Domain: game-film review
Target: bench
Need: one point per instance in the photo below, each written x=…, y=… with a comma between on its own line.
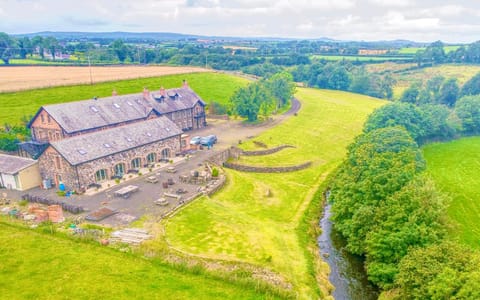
x=125, y=192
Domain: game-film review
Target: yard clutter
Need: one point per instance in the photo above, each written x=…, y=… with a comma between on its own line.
x=133, y=236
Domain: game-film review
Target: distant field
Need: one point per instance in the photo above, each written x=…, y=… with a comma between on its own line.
x=413, y=50
x=461, y=72
x=29, y=77
x=243, y=223
x=363, y=58
x=36, y=265
x=455, y=167
x=388, y=66
x=209, y=86
x=239, y=48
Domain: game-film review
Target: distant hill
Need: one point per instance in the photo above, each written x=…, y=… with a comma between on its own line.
x=74, y=35
x=170, y=36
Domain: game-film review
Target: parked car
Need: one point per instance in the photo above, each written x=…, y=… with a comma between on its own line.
x=207, y=141
x=195, y=140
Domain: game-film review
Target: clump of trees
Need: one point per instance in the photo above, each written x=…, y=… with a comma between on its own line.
x=437, y=90
x=440, y=271
x=342, y=75
x=10, y=136
x=382, y=204
x=390, y=212
x=263, y=97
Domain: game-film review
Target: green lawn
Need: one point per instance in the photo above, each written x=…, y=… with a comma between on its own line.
x=242, y=223
x=455, y=167
x=37, y=265
x=210, y=86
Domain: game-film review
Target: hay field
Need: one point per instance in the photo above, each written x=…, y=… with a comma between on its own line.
x=30, y=77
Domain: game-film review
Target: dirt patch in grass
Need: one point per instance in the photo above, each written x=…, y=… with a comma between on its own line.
x=30, y=77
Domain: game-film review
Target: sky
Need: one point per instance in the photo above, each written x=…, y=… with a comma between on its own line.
x=369, y=20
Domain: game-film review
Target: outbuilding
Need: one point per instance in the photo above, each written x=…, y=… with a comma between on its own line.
x=18, y=173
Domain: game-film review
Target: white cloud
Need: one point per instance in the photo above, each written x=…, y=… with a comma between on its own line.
x=342, y=19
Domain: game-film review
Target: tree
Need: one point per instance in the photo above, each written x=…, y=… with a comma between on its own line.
x=52, y=45
x=7, y=45
x=120, y=49
x=437, y=122
x=379, y=163
x=282, y=88
x=443, y=271
x=339, y=79
x=449, y=92
x=467, y=109
x=471, y=87
x=25, y=47
x=412, y=217
x=410, y=95
x=247, y=101
x=398, y=114
x=37, y=42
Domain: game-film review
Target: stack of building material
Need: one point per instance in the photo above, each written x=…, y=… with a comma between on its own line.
x=133, y=236
x=40, y=215
x=55, y=214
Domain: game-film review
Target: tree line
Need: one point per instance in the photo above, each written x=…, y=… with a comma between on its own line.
x=390, y=211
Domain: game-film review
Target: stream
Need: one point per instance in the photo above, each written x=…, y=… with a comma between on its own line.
x=346, y=270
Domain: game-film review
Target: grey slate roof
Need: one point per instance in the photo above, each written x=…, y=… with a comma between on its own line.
x=91, y=146
x=88, y=114
x=175, y=99
x=10, y=164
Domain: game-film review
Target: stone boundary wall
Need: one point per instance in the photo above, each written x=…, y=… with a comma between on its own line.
x=267, y=151
x=223, y=156
x=256, y=169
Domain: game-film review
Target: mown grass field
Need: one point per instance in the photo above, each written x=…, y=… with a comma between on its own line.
x=209, y=86
x=455, y=167
x=243, y=223
x=461, y=72
x=37, y=265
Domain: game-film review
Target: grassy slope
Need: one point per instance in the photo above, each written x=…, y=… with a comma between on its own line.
x=461, y=72
x=455, y=167
x=35, y=264
x=241, y=223
x=209, y=86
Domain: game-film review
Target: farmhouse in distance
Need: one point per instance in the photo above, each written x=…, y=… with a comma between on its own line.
x=85, y=142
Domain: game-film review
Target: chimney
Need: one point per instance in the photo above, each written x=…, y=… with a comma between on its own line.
x=185, y=84
x=114, y=92
x=146, y=94
x=162, y=91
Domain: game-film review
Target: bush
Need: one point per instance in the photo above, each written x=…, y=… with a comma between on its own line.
x=214, y=172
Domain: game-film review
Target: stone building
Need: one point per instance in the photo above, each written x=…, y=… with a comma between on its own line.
x=94, y=157
x=84, y=142
x=58, y=121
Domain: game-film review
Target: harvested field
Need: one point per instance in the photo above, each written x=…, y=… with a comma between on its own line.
x=24, y=78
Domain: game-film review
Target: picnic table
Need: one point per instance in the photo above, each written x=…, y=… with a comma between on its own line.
x=125, y=192
x=152, y=179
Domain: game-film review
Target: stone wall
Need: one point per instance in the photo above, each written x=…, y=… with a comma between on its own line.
x=223, y=156
x=257, y=169
x=267, y=151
